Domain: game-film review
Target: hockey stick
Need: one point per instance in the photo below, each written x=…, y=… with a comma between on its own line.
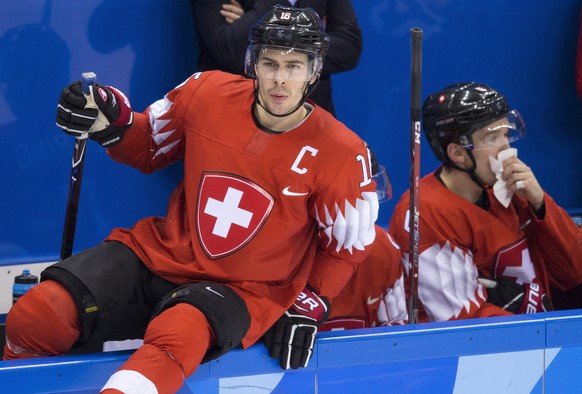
x=87, y=79
x=414, y=204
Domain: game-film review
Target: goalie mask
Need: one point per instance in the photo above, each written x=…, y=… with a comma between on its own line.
x=287, y=31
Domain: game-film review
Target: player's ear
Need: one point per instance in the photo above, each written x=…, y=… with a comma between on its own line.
x=456, y=153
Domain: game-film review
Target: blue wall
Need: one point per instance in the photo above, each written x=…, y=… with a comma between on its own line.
x=524, y=48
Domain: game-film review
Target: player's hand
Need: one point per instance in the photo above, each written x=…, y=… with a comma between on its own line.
x=515, y=298
x=521, y=180
x=103, y=115
x=292, y=337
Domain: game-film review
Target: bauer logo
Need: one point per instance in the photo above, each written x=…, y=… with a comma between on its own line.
x=230, y=212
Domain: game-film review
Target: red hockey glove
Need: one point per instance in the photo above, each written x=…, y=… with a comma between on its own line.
x=103, y=116
x=292, y=337
x=514, y=297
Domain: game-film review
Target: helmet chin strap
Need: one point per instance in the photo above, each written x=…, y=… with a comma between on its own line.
x=471, y=171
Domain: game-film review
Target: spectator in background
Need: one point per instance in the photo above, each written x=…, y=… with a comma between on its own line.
x=492, y=242
x=223, y=27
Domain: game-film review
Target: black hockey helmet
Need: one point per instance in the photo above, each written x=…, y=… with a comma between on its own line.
x=299, y=29
x=454, y=113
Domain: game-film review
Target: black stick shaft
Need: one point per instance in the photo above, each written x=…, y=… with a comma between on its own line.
x=414, y=204
x=75, y=183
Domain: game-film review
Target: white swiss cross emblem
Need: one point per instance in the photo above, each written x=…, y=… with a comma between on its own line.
x=231, y=210
x=514, y=261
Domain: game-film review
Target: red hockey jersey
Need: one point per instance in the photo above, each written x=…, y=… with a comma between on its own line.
x=374, y=296
x=459, y=241
x=262, y=212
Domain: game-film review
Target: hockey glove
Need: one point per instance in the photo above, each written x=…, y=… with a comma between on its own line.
x=103, y=115
x=292, y=337
x=514, y=297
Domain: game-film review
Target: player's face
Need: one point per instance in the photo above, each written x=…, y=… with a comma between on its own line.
x=483, y=169
x=489, y=141
x=282, y=75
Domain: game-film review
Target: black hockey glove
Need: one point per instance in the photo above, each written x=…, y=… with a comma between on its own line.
x=514, y=297
x=292, y=337
x=103, y=116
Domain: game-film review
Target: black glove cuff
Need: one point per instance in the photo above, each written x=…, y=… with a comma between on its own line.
x=325, y=301
x=109, y=136
x=541, y=212
x=327, y=312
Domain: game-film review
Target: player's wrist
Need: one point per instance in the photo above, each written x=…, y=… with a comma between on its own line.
x=311, y=305
x=539, y=209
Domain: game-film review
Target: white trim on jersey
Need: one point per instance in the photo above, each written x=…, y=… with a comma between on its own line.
x=355, y=228
x=130, y=382
x=447, y=282
x=392, y=309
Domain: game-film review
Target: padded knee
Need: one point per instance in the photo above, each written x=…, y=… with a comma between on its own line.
x=82, y=297
x=43, y=322
x=225, y=310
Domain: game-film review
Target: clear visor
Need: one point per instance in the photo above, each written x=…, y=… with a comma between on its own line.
x=496, y=134
x=287, y=64
x=383, y=185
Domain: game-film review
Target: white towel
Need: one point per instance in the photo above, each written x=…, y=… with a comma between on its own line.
x=500, y=188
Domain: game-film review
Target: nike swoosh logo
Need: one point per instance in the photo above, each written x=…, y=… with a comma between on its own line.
x=288, y=192
x=214, y=291
x=372, y=301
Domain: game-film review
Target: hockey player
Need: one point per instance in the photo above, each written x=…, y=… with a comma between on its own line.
x=375, y=294
x=492, y=242
x=275, y=211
